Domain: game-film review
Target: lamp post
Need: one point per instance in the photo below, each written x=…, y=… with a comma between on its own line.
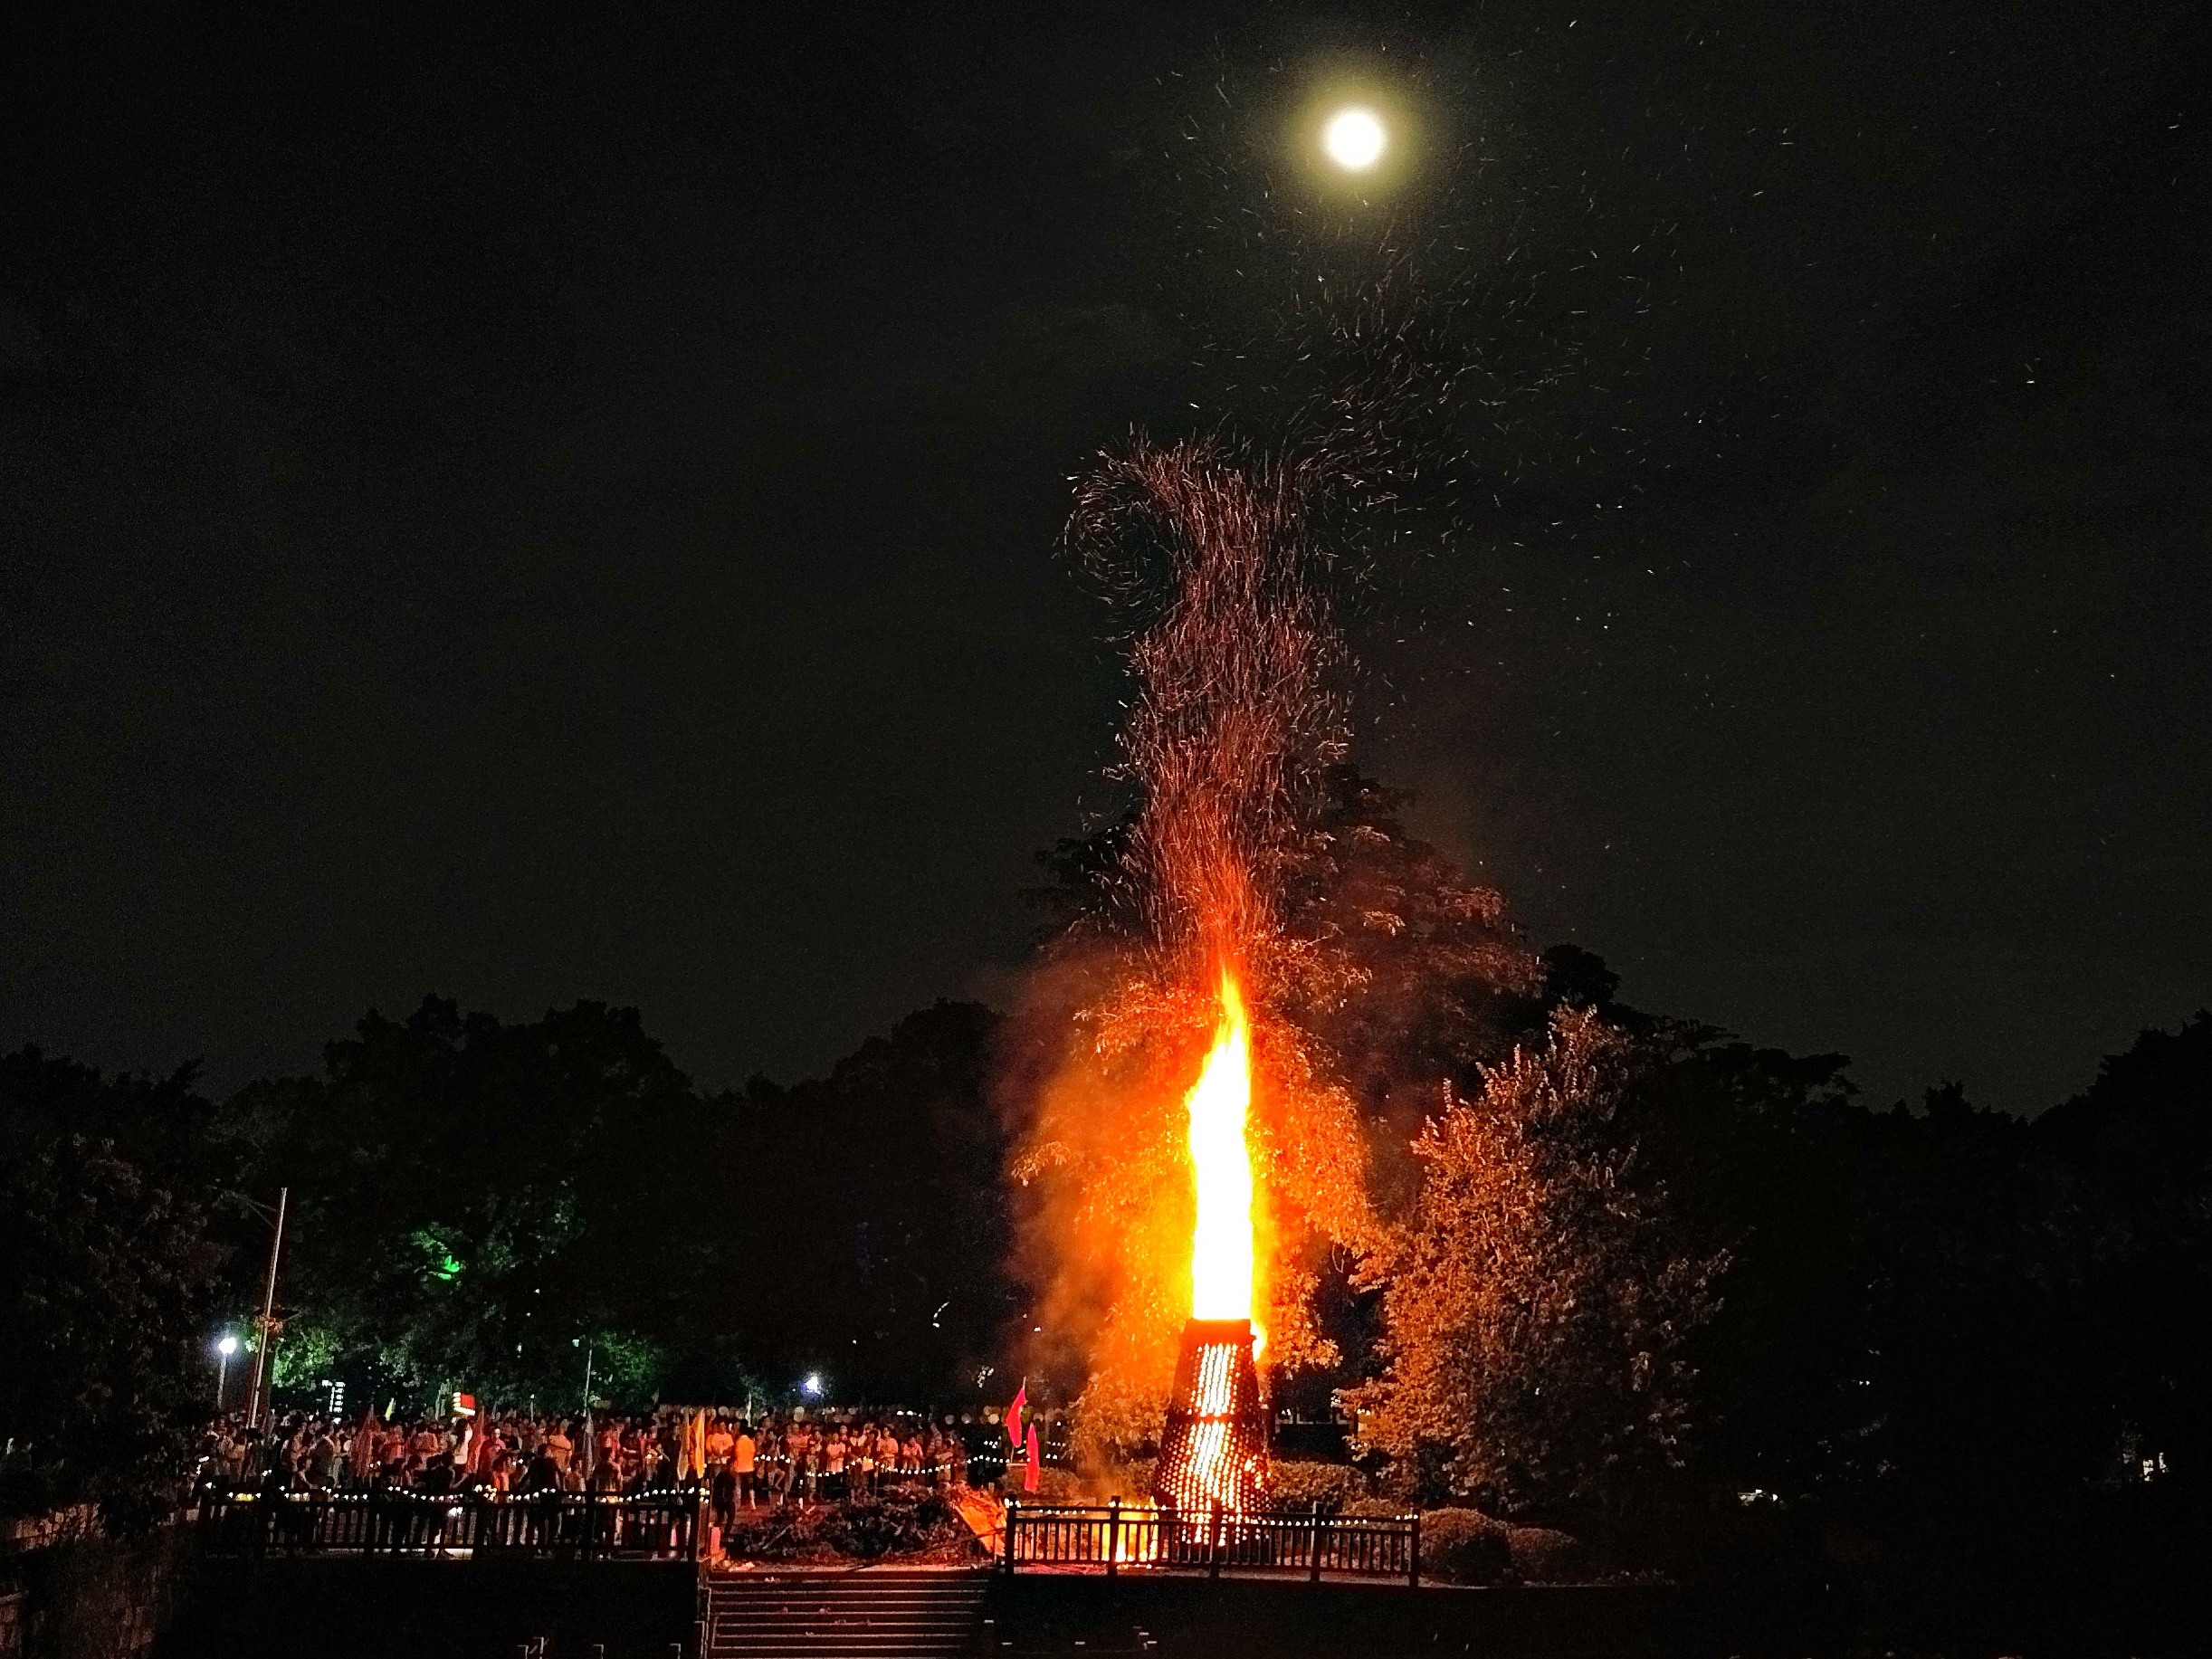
x=224, y=1351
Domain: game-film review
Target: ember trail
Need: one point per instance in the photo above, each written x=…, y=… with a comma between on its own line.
x=1236, y=717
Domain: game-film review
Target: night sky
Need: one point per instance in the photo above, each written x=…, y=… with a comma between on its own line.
x=531, y=514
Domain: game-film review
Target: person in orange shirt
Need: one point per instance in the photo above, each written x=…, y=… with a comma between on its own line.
x=743, y=1453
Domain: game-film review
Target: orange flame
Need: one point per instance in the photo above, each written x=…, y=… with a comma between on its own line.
x=1221, y=1260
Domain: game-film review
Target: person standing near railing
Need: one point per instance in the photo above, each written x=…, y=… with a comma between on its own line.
x=860, y=1464
x=322, y=1460
x=605, y=1516
x=744, y=1455
x=275, y=1487
x=723, y=1494
x=720, y=1442
x=436, y=1487
x=543, y=1474
x=798, y=1445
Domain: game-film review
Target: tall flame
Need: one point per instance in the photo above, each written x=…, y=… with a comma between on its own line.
x=1219, y=1101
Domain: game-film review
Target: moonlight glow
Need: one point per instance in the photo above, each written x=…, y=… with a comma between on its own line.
x=1354, y=139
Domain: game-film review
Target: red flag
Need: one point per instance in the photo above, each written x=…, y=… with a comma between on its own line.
x=1014, y=1416
x=1029, y=1476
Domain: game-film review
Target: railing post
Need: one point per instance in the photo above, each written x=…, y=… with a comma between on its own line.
x=1317, y=1541
x=1413, y=1564
x=1113, y=1532
x=1012, y=1522
x=1213, y=1544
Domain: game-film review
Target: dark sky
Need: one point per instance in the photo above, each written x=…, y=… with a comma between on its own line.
x=533, y=514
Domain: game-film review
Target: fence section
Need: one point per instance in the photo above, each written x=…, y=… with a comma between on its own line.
x=1113, y=1536
x=579, y=1526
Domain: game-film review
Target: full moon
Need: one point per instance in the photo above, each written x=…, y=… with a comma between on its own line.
x=1354, y=138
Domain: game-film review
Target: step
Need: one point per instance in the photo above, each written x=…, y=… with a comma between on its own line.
x=856, y=1638
x=826, y=1620
x=873, y=1598
x=846, y=1609
x=845, y=1615
x=954, y=1642
x=853, y=1626
x=767, y=1606
x=883, y=1592
x=833, y=1586
x=919, y=1598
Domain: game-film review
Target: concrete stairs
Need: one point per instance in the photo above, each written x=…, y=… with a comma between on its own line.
x=850, y=1615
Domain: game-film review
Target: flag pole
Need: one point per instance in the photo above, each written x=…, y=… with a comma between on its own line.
x=268, y=1319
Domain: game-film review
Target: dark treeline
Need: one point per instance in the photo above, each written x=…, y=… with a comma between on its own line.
x=1867, y=1348
x=492, y=1206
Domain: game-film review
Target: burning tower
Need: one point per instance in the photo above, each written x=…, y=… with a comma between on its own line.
x=1234, y=720
x=1213, y=1452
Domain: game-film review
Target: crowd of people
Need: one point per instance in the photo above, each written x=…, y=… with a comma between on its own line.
x=741, y=1464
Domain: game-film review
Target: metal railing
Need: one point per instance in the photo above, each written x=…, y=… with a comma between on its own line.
x=1113, y=1536
x=572, y=1526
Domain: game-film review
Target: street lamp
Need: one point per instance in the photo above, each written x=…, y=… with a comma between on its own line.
x=224, y=1350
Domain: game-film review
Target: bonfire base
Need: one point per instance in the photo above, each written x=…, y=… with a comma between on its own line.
x=1214, y=1454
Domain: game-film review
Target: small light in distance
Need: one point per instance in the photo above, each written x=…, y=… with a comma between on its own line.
x=1354, y=139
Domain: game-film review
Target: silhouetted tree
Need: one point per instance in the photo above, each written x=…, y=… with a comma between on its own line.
x=490, y=1204
x=479, y=1203
x=108, y=1278
x=870, y=1236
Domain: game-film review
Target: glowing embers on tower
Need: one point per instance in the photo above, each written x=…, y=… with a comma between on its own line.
x=1213, y=1453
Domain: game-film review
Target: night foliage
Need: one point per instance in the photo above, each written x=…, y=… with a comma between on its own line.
x=110, y=1273
x=1897, y=1348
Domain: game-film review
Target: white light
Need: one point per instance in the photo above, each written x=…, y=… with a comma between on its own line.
x=1354, y=138
x=814, y=1382
x=227, y=1347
